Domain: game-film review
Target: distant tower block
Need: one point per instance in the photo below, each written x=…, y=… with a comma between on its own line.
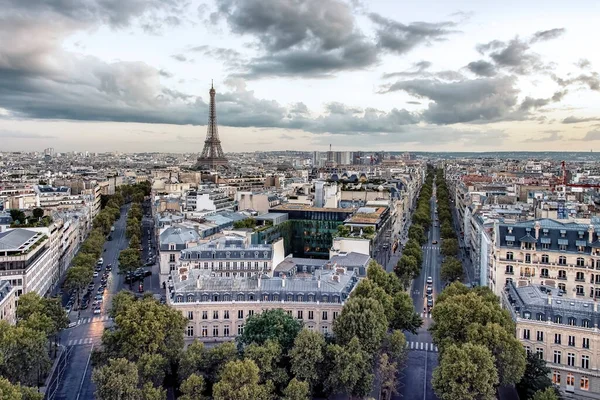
x=212, y=156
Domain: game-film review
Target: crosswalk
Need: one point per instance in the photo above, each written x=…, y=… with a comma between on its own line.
x=79, y=342
x=90, y=320
x=430, y=247
x=422, y=346
x=425, y=315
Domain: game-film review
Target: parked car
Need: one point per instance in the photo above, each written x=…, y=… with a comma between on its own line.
x=434, y=242
x=429, y=290
x=429, y=303
x=429, y=280
x=97, y=311
x=95, y=274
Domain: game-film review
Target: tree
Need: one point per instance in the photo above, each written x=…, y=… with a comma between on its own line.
x=362, y=318
x=149, y=392
x=273, y=324
x=24, y=355
x=404, y=316
x=216, y=359
x=395, y=347
x=417, y=233
x=129, y=260
x=133, y=228
x=117, y=380
x=78, y=278
x=192, y=360
x=387, y=375
x=536, y=377
x=18, y=216
x=449, y=247
x=306, y=357
x=349, y=369
x=387, y=281
x=134, y=242
x=296, y=390
x=508, y=352
x=239, y=381
x=84, y=260
x=446, y=230
x=192, y=388
x=268, y=356
x=367, y=289
x=465, y=372
x=8, y=391
x=407, y=266
x=452, y=269
x=38, y=213
x=546, y=394
x=145, y=327
x=152, y=368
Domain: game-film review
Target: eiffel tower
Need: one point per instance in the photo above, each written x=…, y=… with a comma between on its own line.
x=212, y=156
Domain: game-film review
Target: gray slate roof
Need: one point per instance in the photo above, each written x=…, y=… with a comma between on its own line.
x=178, y=235
x=13, y=239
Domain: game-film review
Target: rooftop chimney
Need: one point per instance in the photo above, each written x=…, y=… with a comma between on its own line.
x=549, y=298
x=319, y=281
x=259, y=279
x=283, y=280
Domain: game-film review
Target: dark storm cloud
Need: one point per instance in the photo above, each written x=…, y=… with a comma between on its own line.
x=482, y=68
x=400, y=38
x=316, y=38
x=477, y=100
x=576, y=120
x=547, y=35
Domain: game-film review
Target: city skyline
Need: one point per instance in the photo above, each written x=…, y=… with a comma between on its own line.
x=298, y=75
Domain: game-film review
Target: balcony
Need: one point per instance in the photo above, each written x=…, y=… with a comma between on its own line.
x=509, y=272
x=580, y=280
x=544, y=276
x=561, y=278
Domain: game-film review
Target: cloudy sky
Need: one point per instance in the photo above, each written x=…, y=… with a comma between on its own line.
x=439, y=75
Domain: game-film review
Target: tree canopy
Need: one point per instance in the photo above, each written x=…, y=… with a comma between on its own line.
x=273, y=324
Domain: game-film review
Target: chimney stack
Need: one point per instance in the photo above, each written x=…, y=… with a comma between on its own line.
x=259, y=279
x=283, y=280
x=549, y=298
x=319, y=282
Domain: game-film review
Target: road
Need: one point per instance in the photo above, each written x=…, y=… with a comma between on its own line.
x=76, y=383
x=415, y=379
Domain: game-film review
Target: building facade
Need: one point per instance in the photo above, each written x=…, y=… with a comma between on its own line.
x=217, y=308
x=563, y=331
x=172, y=241
x=8, y=303
x=563, y=255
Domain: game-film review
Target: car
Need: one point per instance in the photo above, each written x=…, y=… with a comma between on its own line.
x=101, y=261
x=99, y=297
x=109, y=238
x=97, y=311
x=434, y=242
x=429, y=290
x=429, y=280
x=429, y=303
x=109, y=267
x=84, y=305
x=95, y=274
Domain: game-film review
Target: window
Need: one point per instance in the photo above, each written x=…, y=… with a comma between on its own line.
x=204, y=314
x=540, y=336
x=572, y=321
x=226, y=330
x=558, y=320
x=215, y=330
x=310, y=315
x=571, y=359
x=562, y=274
x=509, y=255
x=240, y=329
x=557, y=356
x=288, y=312
x=562, y=260
x=205, y=265
x=580, y=262
x=220, y=264
x=509, y=269
x=204, y=331
x=570, y=379
x=585, y=323
x=335, y=315
x=528, y=350
x=226, y=314
x=528, y=256
x=571, y=340
x=584, y=383
x=171, y=257
x=300, y=314
x=540, y=352
x=557, y=337
x=190, y=315
x=250, y=313
x=545, y=259
x=585, y=362
x=544, y=273
x=579, y=290
x=585, y=343
x=172, y=267
x=325, y=329
x=526, y=334
x=240, y=314
x=227, y=265
x=562, y=287
x=580, y=277
x=215, y=314
x=556, y=377
x=324, y=316
x=190, y=331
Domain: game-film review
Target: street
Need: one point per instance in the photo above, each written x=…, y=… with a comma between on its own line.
x=87, y=334
x=415, y=379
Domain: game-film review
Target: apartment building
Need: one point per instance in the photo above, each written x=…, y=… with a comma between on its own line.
x=554, y=253
x=561, y=329
x=172, y=241
x=208, y=202
x=217, y=307
x=29, y=259
x=230, y=256
x=8, y=303
x=260, y=202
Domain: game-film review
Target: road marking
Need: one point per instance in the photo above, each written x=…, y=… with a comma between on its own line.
x=421, y=345
x=412, y=345
x=85, y=372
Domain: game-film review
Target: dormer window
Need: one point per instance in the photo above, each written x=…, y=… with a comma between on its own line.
x=563, y=233
x=172, y=246
x=580, y=234
x=510, y=229
x=256, y=254
x=241, y=254
x=545, y=231
x=228, y=254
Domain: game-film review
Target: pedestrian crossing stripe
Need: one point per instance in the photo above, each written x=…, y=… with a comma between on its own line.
x=422, y=346
x=425, y=315
x=430, y=247
x=90, y=320
x=78, y=342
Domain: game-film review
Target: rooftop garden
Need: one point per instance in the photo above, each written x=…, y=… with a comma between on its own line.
x=347, y=232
